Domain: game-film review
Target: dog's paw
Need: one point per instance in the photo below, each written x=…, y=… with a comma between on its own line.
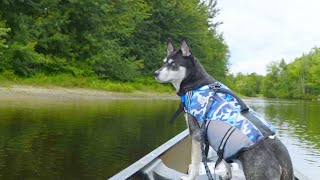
x=186, y=178
x=228, y=174
x=225, y=177
x=192, y=172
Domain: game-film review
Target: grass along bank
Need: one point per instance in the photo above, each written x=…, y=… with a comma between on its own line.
x=8, y=79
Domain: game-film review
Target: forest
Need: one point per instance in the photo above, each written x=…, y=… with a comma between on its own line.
x=113, y=40
x=299, y=79
x=117, y=45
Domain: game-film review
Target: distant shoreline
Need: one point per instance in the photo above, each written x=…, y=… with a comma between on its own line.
x=27, y=91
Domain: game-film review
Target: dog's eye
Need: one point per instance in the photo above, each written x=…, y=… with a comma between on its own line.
x=170, y=61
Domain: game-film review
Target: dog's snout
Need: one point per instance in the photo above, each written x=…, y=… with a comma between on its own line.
x=156, y=73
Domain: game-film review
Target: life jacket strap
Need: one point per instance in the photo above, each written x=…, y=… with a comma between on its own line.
x=222, y=145
x=207, y=142
x=204, y=140
x=176, y=114
x=205, y=148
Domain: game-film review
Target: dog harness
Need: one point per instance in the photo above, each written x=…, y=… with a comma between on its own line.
x=231, y=126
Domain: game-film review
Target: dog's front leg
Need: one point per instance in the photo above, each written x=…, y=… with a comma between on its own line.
x=194, y=131
x=195, y=159
x=228, y=174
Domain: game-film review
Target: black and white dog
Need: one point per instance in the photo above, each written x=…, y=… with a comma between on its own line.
x=268, y=159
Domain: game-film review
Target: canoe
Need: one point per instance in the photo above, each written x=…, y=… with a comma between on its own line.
x=171, y=161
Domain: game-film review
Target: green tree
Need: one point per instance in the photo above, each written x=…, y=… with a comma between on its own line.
x=248, y=85
x=3, y=34
x=298, y=76
x=3, y=44
x=270, y=85
x=298, y=79
x=78, y=37
x=314, y=72
x=177, y=19
x=284, y=85
x=118, y=40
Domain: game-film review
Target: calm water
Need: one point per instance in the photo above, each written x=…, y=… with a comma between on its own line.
x=91, y=139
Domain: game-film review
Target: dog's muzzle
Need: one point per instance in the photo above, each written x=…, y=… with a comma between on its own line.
x=156, y=73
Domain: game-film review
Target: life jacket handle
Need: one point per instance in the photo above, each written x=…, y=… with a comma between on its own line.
x=218, y=89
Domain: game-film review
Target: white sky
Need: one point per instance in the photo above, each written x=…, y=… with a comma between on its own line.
x=260, y=31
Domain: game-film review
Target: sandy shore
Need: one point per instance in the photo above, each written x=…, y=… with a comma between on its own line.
x=22, y=91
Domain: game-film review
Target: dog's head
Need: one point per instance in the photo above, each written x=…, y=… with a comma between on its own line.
x=176, y=64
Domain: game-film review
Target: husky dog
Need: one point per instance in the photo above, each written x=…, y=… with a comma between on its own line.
x=268, y=159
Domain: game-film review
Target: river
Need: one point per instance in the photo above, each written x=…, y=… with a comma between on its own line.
x=50, y=138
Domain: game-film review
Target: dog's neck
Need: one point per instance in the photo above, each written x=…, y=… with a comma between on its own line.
x=197, y=78
x=176, y=84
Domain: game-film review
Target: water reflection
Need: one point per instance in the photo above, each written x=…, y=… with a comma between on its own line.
x=92, y=139
x=49, y=139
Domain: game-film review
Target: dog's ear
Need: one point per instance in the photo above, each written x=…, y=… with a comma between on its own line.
x=170, y=47
x=185, y=48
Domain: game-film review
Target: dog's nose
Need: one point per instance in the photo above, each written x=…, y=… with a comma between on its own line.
x=156, y=73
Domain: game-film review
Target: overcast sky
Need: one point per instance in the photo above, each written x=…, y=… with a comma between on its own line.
x=260, y=31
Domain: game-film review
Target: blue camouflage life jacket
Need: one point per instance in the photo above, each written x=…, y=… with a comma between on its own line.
x=228, y=125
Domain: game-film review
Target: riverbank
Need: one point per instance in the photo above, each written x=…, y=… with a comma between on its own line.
x=146, y=84
x=70, y=87
x=25, y=91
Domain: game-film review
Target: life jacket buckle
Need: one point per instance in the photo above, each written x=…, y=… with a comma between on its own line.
x=215, y=86
x=271, y=136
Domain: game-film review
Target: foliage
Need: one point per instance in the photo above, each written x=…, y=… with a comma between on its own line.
x=248, y=85
x=3, y=33
x=176, y=19
x=114, y=40
x=3, y=45
x=298, y=79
